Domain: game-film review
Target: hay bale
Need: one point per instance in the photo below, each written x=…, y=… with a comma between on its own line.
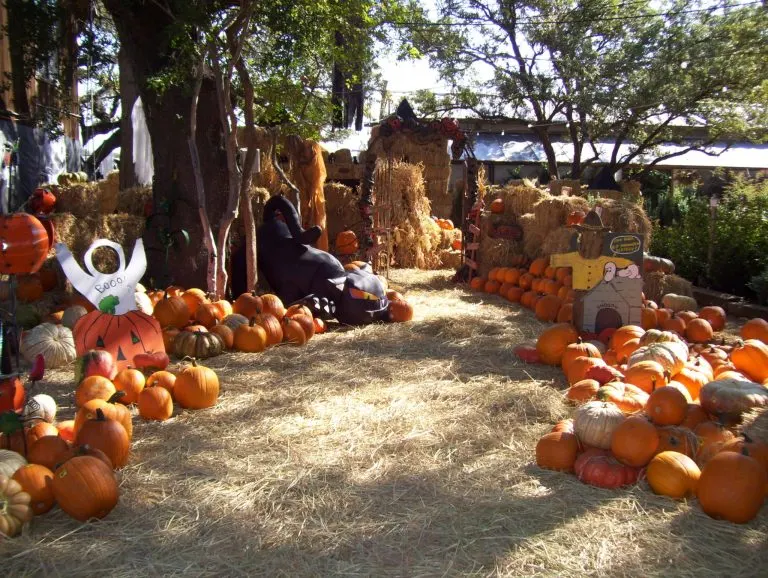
x=132, y=201
x=79, y=199
x=259, y=197
x=109, y=189
x=755, y=424
x=656, y=284
x=342, y=211
x=450, y=259
x=557, y=241
x=518, y=199
x=494, y=252
x=342, y=157
x=552, y=212
x=79, y=233
x=624, y=217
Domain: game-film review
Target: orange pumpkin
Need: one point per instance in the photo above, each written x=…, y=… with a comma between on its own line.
x=678, y=439
x=547, y=308
x=497, y=206
x=273, y=304
x=94, y=387
x=714, y=315
x=553, y=341
x=194, y=298
x=515, y=294
x=346, y=243
x=673, y=474
x=565, y=315
x=172, y=312
x=698, y=331
x=751, y=358
x=578, y=349
x=755, y=329
x=647, y=375
x=25, y=244
x=648, y=319
x=36, y=479
x=538, y=266
x=582, y=391
x=477, y=283
x=666, y=406
x=557, y=451
x=635, y=441
x=492, y=287
x=131, y=381
x=732, y=487
x=624, y=334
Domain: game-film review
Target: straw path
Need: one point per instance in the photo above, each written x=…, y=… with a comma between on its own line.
x=389, y=450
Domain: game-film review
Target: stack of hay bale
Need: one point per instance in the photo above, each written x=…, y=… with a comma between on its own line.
x=89, y=211
x=543, y=219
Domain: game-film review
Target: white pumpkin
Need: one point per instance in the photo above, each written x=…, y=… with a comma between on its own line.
x=679, y=302
x=72, y=314
x=54, y=342
x=669, y=354
x=10, y=462
x=658, y=336
x=144, y=303
x=41, y=407
x=595, y=421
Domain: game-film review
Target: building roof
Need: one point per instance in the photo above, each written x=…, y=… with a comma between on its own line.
x=521, y=148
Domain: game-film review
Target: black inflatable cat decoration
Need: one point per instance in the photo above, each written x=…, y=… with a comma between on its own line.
x=300, y=273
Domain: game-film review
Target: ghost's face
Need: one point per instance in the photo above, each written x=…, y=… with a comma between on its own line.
x=609, y=271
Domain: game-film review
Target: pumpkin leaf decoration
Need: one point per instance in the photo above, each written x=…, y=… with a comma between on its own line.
x=108, y=304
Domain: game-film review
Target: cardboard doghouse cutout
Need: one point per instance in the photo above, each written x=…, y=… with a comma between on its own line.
x=115, y=326
x=609, y=287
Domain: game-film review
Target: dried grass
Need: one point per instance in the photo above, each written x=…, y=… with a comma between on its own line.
x=388, y=450
x=519, y=199
x=133, y=200
x=494, y=252
x=110, y=192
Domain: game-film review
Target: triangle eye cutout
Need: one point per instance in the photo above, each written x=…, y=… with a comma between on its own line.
x=100, y=342
x=120, y=355
x=134, y=338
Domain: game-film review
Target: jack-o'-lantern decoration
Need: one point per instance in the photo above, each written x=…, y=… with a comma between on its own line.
x=23, y=244
x=124, y=336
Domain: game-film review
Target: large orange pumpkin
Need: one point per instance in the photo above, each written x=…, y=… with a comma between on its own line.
x=751, y=358
x=194, y=298
x=172, y=312
x=732, y=487
x=547, y=308
x=196, y=387
x=666, y=406
x=85, y=487
x=673, y=474
x=124, y=336
x=553, y=341
x=24, y=243
x=578, y=349
x=624, y=334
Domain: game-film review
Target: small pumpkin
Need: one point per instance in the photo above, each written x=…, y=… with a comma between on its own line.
x=595, y=421
x=599, y=468
x=85, y=488
x=94, y=387
x=400, y=311
x=666, y=406
x=624, y=334
x=164, y=379
x=106, y=435
x=635, y=441
x=557, y=451
x=699, y=331
x=751, y=358
x=248, y=304
x=293, y=332
x=194, y=298
x=732, y=487
x=171, y=312
x=196, y=387
x=271, y=326
x=582, y=391
x=226, y=334
x=756, y=328
x=155, y=403
x=547, y=308
x=647, y=375
x=15, y=509
x=131, y=381
x=673, y=474
x=12, y=394
x=714, y=315
x=627, y=397
x=678, y=439
x=273, y=304
x=197, y=344
x=111, y=409
x=36, y=480
x=250, y=338
x=497, y=206
x=48, y=451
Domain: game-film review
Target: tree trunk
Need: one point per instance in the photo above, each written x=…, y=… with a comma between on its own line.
x=549, y=150
x=128, y=95
x=142, y=30
x=16, y=44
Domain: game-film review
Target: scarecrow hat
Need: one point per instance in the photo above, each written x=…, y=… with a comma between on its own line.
x=592, y=222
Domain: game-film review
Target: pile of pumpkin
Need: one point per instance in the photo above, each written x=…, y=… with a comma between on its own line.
x=544, y=289
x=71, y=463
x=651, y=405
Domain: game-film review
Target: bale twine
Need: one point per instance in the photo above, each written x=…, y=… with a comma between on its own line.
x=132, y=201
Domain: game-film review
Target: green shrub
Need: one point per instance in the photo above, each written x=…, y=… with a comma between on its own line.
x=740, y=243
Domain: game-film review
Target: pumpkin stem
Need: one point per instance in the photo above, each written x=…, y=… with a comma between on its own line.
x=116, y=397
x=100, y=415
x=252, y=322
x=746, y=437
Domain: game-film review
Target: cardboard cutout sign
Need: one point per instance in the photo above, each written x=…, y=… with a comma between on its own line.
x=116, y=326
x=608, y=288
x=109, y=292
